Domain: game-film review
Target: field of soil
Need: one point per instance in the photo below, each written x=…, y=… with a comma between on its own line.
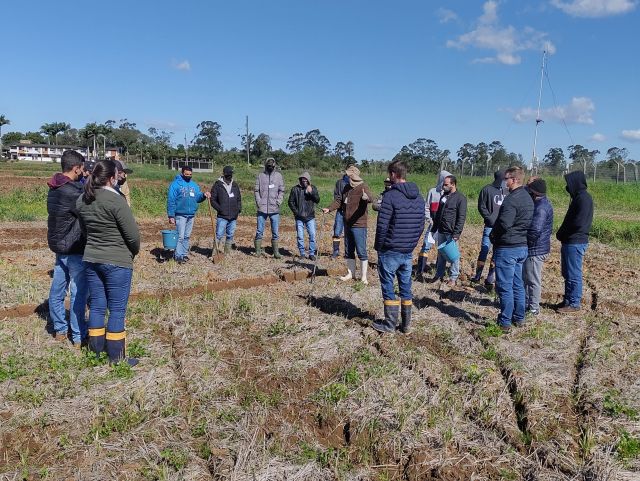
x=253, y=370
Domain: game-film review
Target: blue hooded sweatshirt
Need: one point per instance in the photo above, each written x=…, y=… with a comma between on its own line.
x=400, y=219
x=183, y=197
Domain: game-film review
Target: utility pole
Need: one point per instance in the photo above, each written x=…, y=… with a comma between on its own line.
x=534, y=159
x=186, y=149
x=247, y=137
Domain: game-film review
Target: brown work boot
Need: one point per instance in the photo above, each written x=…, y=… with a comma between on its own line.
x=568, y=310
x=60, y=336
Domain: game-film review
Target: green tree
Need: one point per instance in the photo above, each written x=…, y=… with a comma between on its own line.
x=3, y=121
x=260, y=147
x=465, y=156
x=581, y=156
x=11, y=138
x=317, y=142
x=35, y=137
x=618, y=157
x=295, y=142
x=207, y=141
x=554, y=159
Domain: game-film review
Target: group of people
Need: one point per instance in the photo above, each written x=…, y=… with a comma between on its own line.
x=93, y=233
x=95, y=238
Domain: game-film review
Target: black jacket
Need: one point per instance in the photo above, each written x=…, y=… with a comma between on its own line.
x=490, y=199
x=64, y=232
x=451, y=214
x=512, y=225
x=302, y=204
x=577, y=222
x=400, y=219
x=228, y=207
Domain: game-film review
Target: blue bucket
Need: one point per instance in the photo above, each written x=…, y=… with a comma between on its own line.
x=170, y=239
x=450, y=250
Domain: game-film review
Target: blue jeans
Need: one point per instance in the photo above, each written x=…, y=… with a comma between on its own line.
x=355, y=240
x=310, y=226
x=224, y=226
x=338, y=224
x=184, y=224
x=441, y=263
x=509, y=283
x=69, y=272
x=109, y=287
x=275, y=225
x=571, y=256
x=485, y=245
x=391, y=265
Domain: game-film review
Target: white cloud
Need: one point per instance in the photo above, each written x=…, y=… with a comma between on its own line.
x=183, y=65
x=445, y=15
x=631, y=135
x=597, y=137
x=579, y=111
x=595, y=8
x=506, y=42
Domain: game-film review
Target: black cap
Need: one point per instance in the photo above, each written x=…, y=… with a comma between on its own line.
x=89, y=165
x=538, y=186
x=228, y=170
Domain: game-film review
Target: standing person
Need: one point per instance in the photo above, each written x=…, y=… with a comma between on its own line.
x=354, y=200
x=489, y=202
x=338, y=224
x=65, y=239
x=574, y=236
x=400, y=224
x=448, y=224
x=182, y=203
x=123, y=185
x=227, y=202
x=302, y=200
x=387, y=185
x=539, y=244
x=269, y=193
x=430, y=210
x=113, y=240
x=509, y=238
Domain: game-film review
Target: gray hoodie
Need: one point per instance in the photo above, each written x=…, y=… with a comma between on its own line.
x=269, y=192
x=433, y=197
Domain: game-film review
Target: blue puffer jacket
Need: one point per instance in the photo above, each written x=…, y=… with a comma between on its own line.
x=400, y=219
x=539, y=233
x=183, y=197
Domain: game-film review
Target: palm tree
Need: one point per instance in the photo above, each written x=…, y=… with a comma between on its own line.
x=53, y=129
x=3, y=121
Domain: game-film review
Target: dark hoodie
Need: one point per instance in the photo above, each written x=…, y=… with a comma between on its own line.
x=577, y=222
x=64, y=233
x=490, y=199
x=400, y=219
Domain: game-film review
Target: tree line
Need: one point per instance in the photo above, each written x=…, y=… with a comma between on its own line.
x=314, y=150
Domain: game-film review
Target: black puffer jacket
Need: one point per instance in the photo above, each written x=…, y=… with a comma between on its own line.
x=514, y=219
x=302, y=203
x=227, y=205
x=64, y=233
x=400, y=219
x=577, y=222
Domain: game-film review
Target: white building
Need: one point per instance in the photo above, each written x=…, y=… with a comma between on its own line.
x=41, y=152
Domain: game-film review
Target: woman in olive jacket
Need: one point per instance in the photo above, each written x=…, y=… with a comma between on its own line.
x=113, y=240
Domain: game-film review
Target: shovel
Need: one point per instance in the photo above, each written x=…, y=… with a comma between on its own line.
x=216, y=256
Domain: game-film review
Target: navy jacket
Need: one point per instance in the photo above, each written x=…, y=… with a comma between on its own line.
x=514, y=219
x=400, y=219
x=577, y=223
x=539, y=233
x=64, y=232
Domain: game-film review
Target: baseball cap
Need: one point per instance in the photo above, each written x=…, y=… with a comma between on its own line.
x=122, y=167
x=228, y=170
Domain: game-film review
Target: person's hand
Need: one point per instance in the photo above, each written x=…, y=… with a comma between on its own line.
x=207, y=195
x=455, y=239
x=365, y=197
x=325, y=211
x=172, y=220
x=309, y=189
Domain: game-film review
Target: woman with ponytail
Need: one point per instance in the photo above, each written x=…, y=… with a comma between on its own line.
x=113, y=240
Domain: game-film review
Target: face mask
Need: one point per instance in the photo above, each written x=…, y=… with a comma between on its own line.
x=122, y=181
x=446, y=190
x=186, y=178
x=269, y=168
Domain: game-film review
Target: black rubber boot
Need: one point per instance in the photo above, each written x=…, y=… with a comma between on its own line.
x=479, y=269
x=336, y=248
x=116, y=348
x=405, y=312
x=491, y=276
x=96, y=341
x=391, y=314
x=422, y=264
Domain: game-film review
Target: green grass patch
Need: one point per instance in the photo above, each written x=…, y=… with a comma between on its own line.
x=628, y=447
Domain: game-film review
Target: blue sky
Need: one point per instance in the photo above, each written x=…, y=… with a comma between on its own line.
x=378, y=73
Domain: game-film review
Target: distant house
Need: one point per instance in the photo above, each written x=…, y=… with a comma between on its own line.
x=41, y=152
